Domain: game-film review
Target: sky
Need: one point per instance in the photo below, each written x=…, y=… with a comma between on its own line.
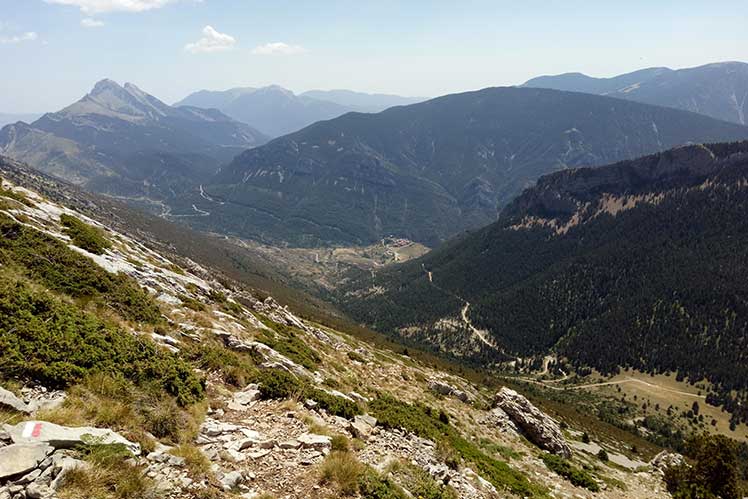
x=53, y=51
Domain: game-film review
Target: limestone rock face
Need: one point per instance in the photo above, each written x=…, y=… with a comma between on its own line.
x=665, y=460
x=18, y=459
x=540, y=429
x=8, y=399
x=61, y=437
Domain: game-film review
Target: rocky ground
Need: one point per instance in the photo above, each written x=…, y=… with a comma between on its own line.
x=253, y=446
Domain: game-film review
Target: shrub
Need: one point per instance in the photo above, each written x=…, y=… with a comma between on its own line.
x=564, y=468
x=424, y=422
x=234, y=368
x=342, y=470
x=192, y=303
x=110, y=476
x=350, y=477
x=602, y=455
x=85, y=236
x=284, y=340
x=50, y=341
x=355, y=356
x=713, y=473
x=51, y=263
x=279, y=384
x=276, y=384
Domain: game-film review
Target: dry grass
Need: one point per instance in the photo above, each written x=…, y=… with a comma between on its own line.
x=197, y=464
x=103, y=401
x=8, y=416
x=342, y=470
x=109, y=476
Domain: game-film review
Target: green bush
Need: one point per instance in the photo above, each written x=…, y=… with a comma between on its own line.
x=564, y=468
x=85, y=236
x=17, y=196
x=424, y=422
x=713, y=473
x=53, y=342
x=51, y=263
x=419, y=483
x=235, y=368
x=278, y=384
x=355, y=356
x=284, y=340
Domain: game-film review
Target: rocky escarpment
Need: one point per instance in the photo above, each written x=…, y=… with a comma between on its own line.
x=539, y=428
x=574, y=196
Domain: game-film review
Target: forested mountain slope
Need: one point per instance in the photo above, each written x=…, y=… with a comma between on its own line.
x=641, y=264
x=430, y=170
x=719, y=90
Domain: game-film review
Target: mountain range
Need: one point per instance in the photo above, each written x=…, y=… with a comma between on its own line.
x=431, y=170
x=638, y=264
x=719, y=90
x=277, y=111
x=121, y=140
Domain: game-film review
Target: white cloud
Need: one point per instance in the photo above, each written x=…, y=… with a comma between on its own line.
x=29, y=36
x=211, y=41
x=278, y=48
x=89, y=22
x=99, y=6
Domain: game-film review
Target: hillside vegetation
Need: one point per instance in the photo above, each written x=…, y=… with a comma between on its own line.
x=639, y=264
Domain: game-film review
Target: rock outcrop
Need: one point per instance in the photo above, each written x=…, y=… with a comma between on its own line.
x=61, y=437
x=538, y=427
x=664, y=460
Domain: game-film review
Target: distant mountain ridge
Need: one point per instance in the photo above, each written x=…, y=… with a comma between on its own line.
x=431, y=170
x=274, y=110
x=719, y=90
x=278, y=111
x=637, y=264
x=363, y=102
x=121, y=140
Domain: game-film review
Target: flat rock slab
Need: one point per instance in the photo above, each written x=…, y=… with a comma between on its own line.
x=18, y=459
x=314, y=441
x=61, y=437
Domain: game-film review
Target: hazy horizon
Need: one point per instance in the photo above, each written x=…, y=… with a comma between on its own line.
x=171, y=48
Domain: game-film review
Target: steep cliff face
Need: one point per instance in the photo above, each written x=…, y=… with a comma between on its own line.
x=585, y=192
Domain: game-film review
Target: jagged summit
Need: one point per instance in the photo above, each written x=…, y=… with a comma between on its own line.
x=122, y=140
x=127, y=102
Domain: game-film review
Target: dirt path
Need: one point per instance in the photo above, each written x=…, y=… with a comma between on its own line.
x=477, y=332
x=610, y=383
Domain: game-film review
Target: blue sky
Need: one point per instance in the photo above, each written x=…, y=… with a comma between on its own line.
x=53, y=51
